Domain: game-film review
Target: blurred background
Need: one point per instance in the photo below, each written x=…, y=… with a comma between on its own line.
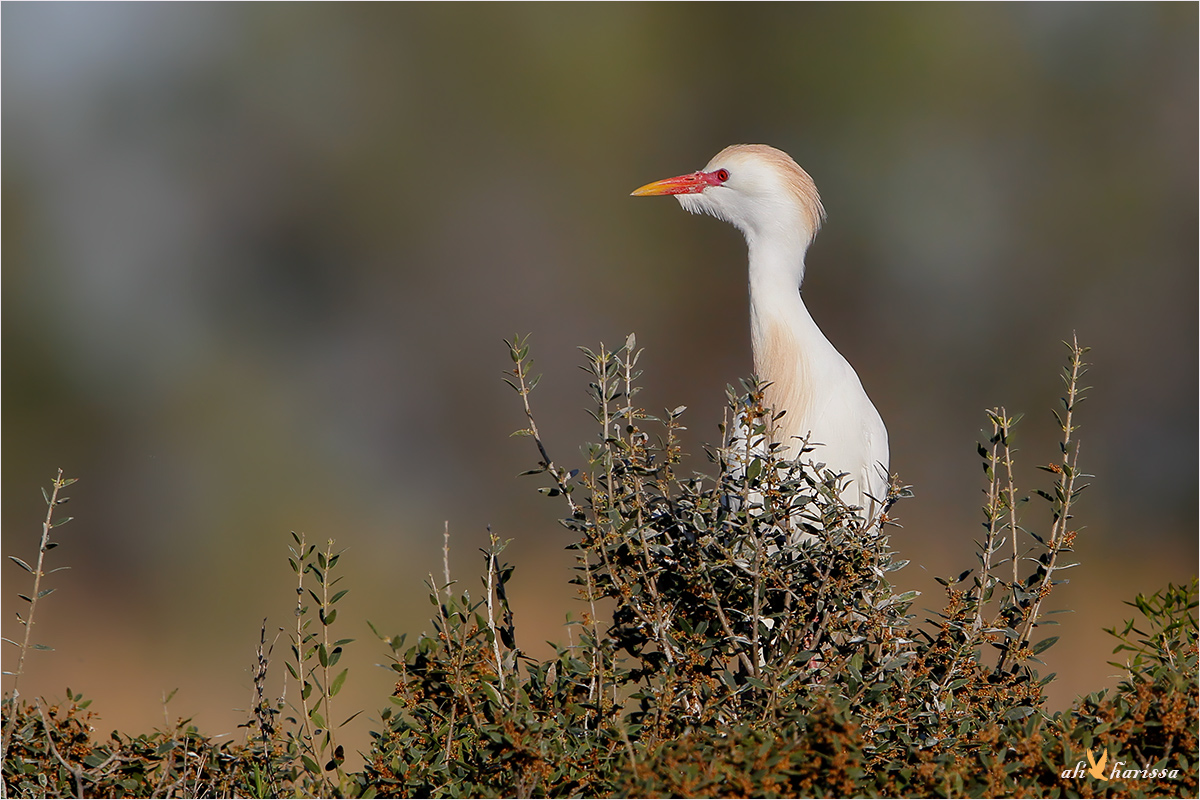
x=259, y=260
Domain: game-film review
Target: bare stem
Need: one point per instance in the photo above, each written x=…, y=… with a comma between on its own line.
x=1010, y=500
x=446, y=556
x=493, y=574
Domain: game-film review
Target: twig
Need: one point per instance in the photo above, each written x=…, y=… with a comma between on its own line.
x=1060, y=539
x=1010, y=499
x=747, y=662
x=492, y=578
x=170, y=762
x=74, y=770
x=523, y=386
x=52, y=502
x=326, y=618
x=993, y=510
x=454, y=660
x=446, y=556
x=299, y=646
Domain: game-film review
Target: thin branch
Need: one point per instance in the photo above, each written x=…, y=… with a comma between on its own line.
x=493, y=575
x=524, y=385
x=1060, y=538
x=446, y=556
x=74, y=770
x=52, y=502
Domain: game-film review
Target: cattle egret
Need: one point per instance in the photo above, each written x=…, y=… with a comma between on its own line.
x=774, y=203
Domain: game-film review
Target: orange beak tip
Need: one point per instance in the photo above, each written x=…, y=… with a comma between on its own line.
x=683, y=184
x=649, y=190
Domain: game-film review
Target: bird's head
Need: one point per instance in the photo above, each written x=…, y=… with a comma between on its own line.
x=757, y=188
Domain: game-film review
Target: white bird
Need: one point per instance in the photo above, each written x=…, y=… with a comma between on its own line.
x=774, y=203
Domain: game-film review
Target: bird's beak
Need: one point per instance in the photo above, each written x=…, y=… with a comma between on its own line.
x=692, y=183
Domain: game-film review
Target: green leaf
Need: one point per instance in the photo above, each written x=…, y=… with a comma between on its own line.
x=21, y=564
x=336, y=685
x=1044, y=645
x=1020, y=712
x=755, y=469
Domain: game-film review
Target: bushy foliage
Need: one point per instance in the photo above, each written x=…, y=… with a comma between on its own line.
x=741, y=635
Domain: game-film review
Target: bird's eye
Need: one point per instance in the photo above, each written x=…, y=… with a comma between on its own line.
x=722, y=175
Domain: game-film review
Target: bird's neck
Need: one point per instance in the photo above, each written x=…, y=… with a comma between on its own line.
x=777, y=256
x=784, y=336
x=776, y=273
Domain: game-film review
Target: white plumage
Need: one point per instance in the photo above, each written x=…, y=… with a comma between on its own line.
x=774, y=203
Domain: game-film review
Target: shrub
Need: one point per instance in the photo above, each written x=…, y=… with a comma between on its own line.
x=740, y=635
